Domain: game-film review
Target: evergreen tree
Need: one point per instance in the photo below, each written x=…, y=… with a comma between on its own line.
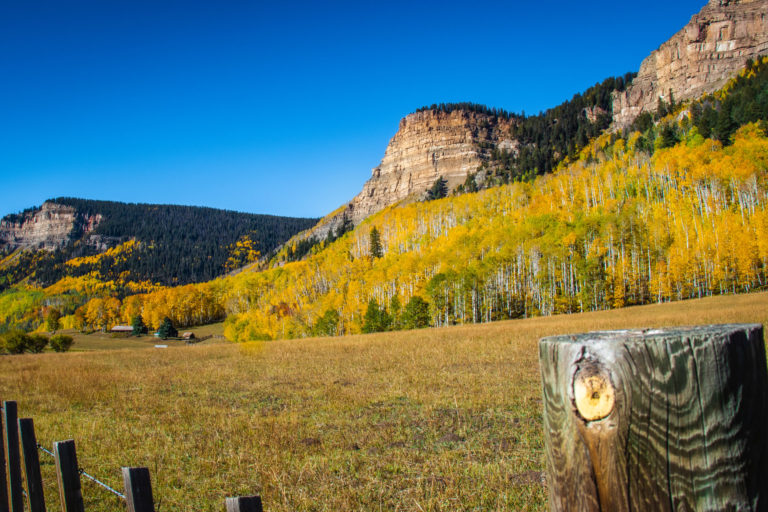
x=470, y=184
x=416, y=313
x=394, y=311
x=374, y=241
x=438, y=190
x=668, y=137
x=376, y=319
x=139, y=328
x=328, y=324
x=167, y=330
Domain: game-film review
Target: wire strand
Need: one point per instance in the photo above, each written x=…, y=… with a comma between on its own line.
x=90, y=477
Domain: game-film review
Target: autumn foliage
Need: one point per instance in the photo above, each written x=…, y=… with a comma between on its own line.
x=615, y=227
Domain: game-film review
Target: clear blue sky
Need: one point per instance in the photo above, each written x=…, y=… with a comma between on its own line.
x=276, y=107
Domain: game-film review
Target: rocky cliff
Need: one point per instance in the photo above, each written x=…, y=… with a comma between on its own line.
x=48, y=227
x=699, y=59
x=427, y=145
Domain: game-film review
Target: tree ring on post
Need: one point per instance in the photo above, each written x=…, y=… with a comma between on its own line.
x=593, y=392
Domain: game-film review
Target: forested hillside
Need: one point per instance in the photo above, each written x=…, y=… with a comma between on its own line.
x=546, y=138
x=171, y=244
x=648, y=216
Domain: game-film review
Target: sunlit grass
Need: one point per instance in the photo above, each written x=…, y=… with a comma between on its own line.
x=438, y=419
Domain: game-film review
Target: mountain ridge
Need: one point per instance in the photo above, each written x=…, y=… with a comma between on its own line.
x=176, y=244
x=708, y=51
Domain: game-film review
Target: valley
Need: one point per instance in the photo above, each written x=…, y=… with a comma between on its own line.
x=434, y=419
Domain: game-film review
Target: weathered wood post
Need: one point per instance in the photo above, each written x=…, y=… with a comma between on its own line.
x=664, y=420
x=3, y=478
x=10, y=419
x=244, y=504
x=68, y=474
x=35, y=495
x=138, y=490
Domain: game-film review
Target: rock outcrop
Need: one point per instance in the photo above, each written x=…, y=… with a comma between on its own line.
x=47, y=228
x=699, y=59
x=427, y=145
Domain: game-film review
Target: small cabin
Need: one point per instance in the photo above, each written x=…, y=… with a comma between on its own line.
x=189, y=336
x=125, y=330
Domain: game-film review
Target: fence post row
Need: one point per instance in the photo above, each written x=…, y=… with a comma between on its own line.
x=17, y=436
x=138, y=490
x=244, y=504
x=667, y=419
x=68, y=475
x=31, y=465
x=10, y=418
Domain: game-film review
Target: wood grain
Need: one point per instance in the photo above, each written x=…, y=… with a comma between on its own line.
x=138, y=490
x=687, y=429
x=68, y=474
x=35, y=496
x=10, y=420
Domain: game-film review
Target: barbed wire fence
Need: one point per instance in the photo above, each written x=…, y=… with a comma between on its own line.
x=18, y=437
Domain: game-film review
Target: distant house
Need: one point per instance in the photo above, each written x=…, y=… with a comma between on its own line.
x=188, y=336
x=122, y=329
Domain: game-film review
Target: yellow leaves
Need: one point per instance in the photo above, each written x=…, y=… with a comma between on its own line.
x=118, y=254
x=241, y=253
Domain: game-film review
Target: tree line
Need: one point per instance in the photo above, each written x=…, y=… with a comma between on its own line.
x=176, y=244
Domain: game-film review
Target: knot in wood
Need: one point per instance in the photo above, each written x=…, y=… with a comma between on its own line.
x=593, y=392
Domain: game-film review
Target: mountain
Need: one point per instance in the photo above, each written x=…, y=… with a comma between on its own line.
x=698, y=59
x=485, y=147
x=472, y=147
x=168, y=244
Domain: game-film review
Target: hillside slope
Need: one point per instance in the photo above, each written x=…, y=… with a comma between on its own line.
x=173, y=244
x=699, y=59
x=474, y=147
x=662, y=215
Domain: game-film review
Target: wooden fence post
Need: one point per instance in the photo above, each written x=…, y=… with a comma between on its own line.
x=671, y=419
x=68, y=474
x=10, y=418
x=244, y=504
x=35, y=495
x=138, y=490
x=3, y=478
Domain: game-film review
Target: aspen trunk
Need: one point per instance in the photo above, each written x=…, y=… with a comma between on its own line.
x=664, y=420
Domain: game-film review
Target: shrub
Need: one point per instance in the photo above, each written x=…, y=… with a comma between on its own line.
x=16, y=342
x=61, y=342
x=37, y=343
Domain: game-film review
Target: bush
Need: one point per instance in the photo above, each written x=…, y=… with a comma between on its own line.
x=16, y=342
x=37, y=343
x=61, y=342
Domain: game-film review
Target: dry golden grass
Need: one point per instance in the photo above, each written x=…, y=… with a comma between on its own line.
x=107, y=341
x=439, y=419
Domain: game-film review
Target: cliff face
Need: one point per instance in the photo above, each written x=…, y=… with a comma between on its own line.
x=427, y=145
x=47, y=228
x=699, y=59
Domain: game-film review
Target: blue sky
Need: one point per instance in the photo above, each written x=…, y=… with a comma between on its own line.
x=276, y=107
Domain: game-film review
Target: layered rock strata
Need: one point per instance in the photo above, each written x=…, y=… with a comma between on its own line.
x=699, y=59
x=48, y=228
x=428, y=145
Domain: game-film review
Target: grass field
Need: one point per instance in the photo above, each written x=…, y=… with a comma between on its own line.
x=107, y=341
x=437, y=419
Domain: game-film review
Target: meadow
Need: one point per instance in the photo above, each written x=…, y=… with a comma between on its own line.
x=434, y=419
